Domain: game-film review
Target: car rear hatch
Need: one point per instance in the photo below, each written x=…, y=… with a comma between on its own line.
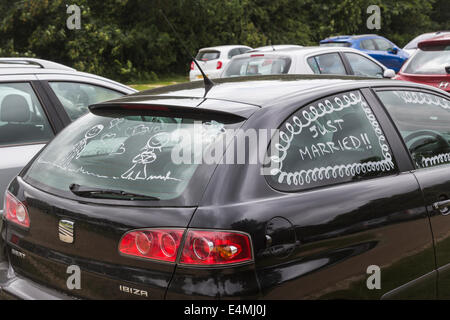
x=77, y=217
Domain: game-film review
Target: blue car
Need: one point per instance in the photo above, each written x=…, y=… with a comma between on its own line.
x=374, y=45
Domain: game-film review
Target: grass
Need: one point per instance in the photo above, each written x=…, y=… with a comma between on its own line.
x=161, y=82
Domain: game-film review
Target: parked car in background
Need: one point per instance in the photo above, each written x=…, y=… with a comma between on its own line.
x=213, y=60
x=275, y=47
x=430, y=64
x=38, y=98
x=356, y=185
x=307, y=60
x=374, y=45
x=411, y=47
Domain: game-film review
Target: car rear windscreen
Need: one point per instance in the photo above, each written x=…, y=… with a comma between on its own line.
x=208, y=55
x=434, y=60
x=335, y=44
x=144, y=155
x=257, y=65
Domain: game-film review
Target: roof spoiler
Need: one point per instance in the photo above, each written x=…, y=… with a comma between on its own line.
x=120, y=109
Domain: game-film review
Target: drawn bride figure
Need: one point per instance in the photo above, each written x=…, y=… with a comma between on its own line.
x=139, y=169
x=79, y=147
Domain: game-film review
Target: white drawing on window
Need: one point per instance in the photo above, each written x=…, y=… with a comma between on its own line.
x=139, y=169
x=115, y=123
x=427, y=99
x=79, y=147
x=296, y=125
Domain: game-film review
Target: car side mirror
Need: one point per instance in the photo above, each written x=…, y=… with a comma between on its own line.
x=393, y=50
x=388, y=73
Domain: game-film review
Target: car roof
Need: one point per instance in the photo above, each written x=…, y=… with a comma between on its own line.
x=301, y=51
x=224, y=47
x=247, y=90
x=34, y=66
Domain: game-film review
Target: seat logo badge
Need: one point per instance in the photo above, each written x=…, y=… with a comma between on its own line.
x=444, y=85
x=66, y=231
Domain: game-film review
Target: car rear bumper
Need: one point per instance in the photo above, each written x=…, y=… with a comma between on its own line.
x=13, y=287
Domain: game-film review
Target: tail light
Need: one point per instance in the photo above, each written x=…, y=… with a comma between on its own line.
x=15, y=211
x=192, y=65
x=156, y=244
x=216, y=248
x=202, y=248
x=219, y=65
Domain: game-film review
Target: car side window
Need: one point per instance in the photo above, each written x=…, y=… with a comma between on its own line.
x=76, y=97
x=22, y=119
x=368, y=44
x=244, y=50
x=333, y=140
x=422, y=119
x=329, y=63
x=234, y=52
x=382, y=44
x=363, y=67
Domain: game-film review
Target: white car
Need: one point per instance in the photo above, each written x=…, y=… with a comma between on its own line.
x=307, y=60
x=213, y=60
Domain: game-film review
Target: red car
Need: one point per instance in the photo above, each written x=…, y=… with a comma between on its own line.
x=430, y=64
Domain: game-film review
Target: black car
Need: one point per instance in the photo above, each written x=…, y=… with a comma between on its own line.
x=347, y=199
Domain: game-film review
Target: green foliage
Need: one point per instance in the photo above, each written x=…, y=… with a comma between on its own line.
x=129, y=40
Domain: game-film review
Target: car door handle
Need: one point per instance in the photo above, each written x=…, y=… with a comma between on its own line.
x=443, y=207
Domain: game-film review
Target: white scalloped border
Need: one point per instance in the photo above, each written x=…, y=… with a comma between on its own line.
x=301, y=177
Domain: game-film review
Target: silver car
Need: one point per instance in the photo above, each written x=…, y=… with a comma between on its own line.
x=307, y=60
x=38, y=98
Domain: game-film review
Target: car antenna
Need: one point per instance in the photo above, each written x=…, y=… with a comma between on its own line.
x=208, y=83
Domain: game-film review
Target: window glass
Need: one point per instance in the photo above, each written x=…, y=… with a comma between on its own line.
x=382, y=44
x=364, y=67
x=208, y=55
x=133, y=154
x=257, y=65
x=432, y=61
x=368, y=44
x=330, y=63
x=333, y=140
x=233, y=53
x=244, y=50
x=313, y=64
x=423, y=121
x=22, y=119
x=76, y=97
x=335, y=44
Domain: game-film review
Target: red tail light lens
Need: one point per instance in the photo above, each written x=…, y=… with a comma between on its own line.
x=156, y=244
x=219, y=65
x=15, y=211
x=216, y=248
x=192, y=65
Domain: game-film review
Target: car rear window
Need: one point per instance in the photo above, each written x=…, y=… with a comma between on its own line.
x=208, y=55
x=257, y=64
x=134, y=154
x=336, y=44
x=432, y=61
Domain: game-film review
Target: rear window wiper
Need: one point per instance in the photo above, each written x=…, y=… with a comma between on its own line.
x=90, y=192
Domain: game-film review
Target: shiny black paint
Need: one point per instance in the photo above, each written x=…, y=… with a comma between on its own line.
x=310, y=244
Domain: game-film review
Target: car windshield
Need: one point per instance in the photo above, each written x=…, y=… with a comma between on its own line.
x=208, y=55
x=257, y=64
x=134, y=154
x=335, y=44
x=432, y=61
